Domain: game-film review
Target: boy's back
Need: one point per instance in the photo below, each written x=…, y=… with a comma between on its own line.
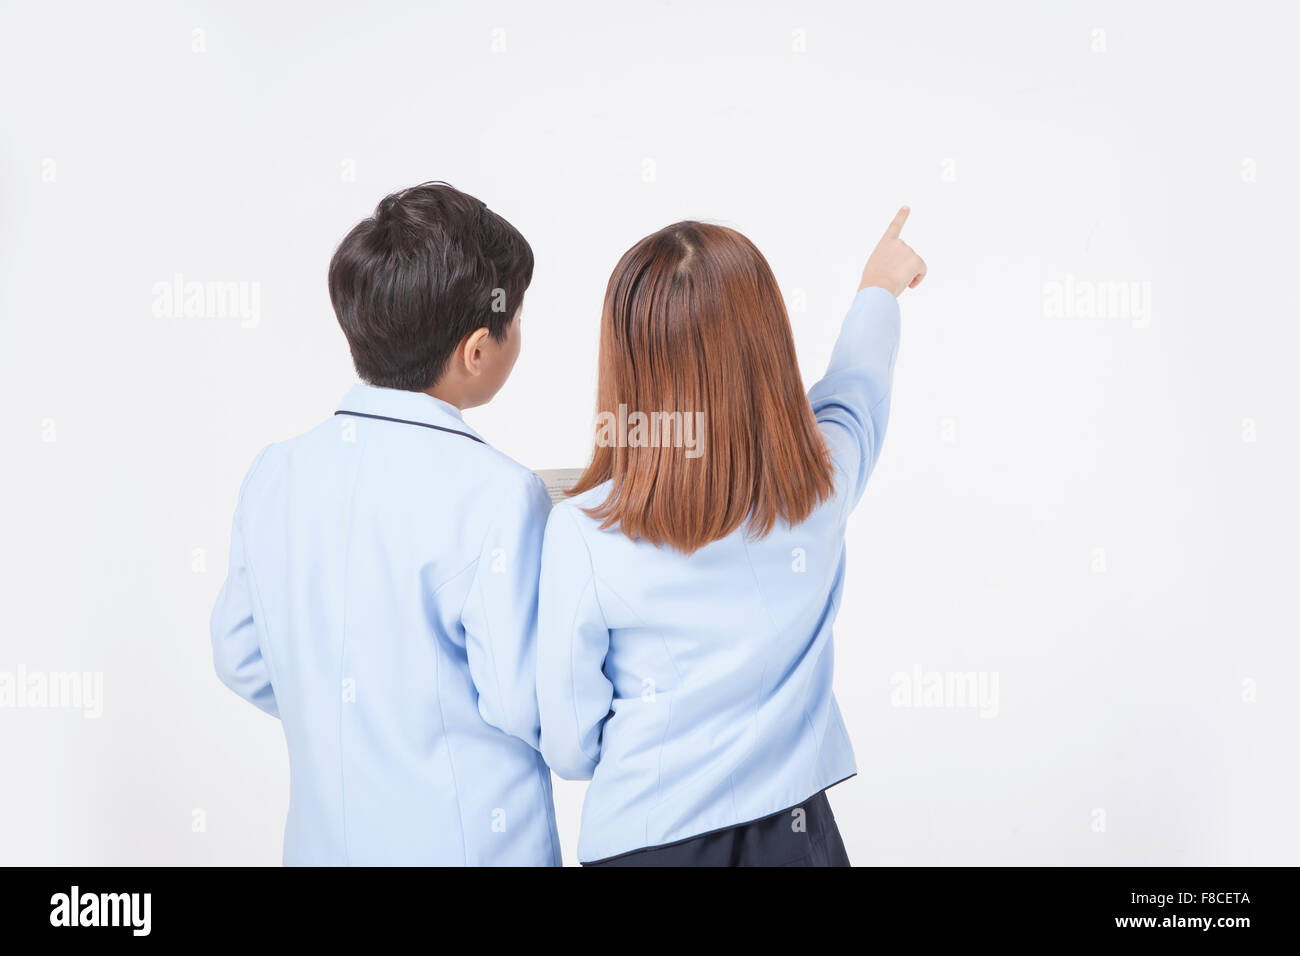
x=381, y=602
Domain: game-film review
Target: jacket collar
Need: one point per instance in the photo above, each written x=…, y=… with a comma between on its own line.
x=417, y=407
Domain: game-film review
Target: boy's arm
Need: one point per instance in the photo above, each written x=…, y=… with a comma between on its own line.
x=236, y=653
x=573, y=639
x=500, y=612
x=851, y=402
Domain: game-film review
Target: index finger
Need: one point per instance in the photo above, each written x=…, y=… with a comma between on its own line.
x=896, y=227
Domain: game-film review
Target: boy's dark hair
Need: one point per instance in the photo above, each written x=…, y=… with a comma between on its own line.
x=431, y=266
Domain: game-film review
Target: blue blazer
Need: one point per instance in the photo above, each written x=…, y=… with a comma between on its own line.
x=695, y=691
x=381, y=601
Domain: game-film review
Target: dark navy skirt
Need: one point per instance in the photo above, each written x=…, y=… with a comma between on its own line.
x=804, y=835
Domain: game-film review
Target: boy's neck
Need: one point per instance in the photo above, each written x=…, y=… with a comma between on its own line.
x=448, y=395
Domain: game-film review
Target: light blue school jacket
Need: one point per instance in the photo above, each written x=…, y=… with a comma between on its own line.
x=695, y=691
x=381, y=602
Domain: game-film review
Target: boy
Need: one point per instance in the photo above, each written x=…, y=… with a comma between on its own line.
x=382, y=593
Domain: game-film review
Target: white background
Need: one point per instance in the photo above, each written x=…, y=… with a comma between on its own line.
x=1100, y=511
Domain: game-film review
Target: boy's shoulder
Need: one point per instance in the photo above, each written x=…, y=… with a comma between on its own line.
x=498, y=464
x=492, y=470
x=573, y=510
x=495, y=471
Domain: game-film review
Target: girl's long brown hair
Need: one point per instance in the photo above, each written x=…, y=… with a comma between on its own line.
x=694, y=321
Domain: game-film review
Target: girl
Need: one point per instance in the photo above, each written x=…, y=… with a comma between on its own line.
x=689, y=585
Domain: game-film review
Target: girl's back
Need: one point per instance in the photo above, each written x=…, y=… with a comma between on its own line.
x=717, y=676
x=684, y=665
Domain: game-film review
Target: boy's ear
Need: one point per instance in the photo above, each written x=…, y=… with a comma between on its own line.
x=470, y=352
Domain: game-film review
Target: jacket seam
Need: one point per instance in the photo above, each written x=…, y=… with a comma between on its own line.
x=343, y=644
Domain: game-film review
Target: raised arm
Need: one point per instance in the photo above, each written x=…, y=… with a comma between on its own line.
x=851, y=402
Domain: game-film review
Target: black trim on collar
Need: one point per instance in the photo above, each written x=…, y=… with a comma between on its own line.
x=405, y=421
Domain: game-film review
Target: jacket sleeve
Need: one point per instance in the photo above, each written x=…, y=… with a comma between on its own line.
x=851, y=402
x=500, y=611
x=573, y=639
x=236, y=653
